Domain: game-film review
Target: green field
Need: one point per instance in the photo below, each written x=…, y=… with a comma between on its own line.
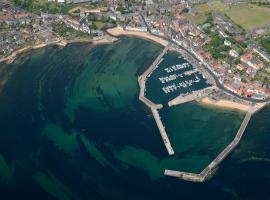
x=247, y=16
x=201, y=16
x=265, y=42
x=37, y=6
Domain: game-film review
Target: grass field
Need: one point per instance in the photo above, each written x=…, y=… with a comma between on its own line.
x=265, y=42
x=247, y=16
x=201, y=16
x=103, y=25
x=37, y=6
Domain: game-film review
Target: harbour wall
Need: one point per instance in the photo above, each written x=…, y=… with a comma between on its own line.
x=208, y=171
x=154, y=107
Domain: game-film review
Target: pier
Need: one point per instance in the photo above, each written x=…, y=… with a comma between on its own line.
x=162, y=132
x=154, y=107
x=208, y=171
x=184, y=98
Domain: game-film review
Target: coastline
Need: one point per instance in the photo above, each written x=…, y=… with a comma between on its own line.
x=9, y=59
x=225, y=104
x=117, y=31
x=61, y=43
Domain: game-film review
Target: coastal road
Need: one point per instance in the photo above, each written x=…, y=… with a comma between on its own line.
x=218, y=84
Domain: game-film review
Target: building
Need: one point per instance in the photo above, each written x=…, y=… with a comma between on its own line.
x=251, y=61
x=227, y=43
x=262, y=53
x=233, y=53
x=240, y=67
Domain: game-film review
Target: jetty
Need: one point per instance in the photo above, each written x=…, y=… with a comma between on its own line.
x=184, y=98
x=208, y=171
x=162, y=132
x=154, y=107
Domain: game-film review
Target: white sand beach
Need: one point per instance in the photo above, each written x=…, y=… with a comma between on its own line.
x=226, y=104
x=117, y=31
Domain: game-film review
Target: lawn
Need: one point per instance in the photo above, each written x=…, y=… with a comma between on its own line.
x=103, y=25
x=250, y=16
x=201, y=16
x=265, y=42
x=217, y=6
x=247, y=16
x=37, y=6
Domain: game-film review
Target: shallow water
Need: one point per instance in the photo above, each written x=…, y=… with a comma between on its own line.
x=198, y=133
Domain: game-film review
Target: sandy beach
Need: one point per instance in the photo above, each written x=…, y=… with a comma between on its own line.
x=9, y=59
x=117, y=31
x=62, y=43
x=225, y=104
x=102, y=41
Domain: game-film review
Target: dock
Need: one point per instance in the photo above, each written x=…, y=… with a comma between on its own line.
x=162, y=132
x=181, y=99
x=184, y=98
x=184, y=175
x=154, y=107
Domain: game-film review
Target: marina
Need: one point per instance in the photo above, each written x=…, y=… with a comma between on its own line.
x=179, y=83
x=176, y=67
x=111, y=140
x=173, y=76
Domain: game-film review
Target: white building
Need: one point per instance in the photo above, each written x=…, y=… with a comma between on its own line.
x=227, y=43
x=233, y=53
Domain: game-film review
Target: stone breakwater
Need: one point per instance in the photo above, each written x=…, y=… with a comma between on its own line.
x=208, y=171
x=154, y=107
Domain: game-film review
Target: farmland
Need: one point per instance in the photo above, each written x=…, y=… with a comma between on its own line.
x=245, y=15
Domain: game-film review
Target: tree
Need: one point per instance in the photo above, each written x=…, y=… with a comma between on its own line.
x=93, y=26
x=4, y=25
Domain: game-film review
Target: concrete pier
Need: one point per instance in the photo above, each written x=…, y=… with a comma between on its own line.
x=184, y=175
x=154, y=64
x=212, y=166
x=191, y=97
x=162, y=132
x=194, y=177
x=154, y=107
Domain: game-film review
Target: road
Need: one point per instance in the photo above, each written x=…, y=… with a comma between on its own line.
x=218, y=84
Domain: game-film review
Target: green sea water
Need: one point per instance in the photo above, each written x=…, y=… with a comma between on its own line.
x=199, y=133
x=72, y=128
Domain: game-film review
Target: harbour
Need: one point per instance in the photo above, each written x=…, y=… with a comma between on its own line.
x=172, y=76
x=154, y=107
x=168, y=78
x=208, y=171
x=81, y=126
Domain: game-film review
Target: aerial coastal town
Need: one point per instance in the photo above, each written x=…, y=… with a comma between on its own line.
x=238, y=58
x=223, y=49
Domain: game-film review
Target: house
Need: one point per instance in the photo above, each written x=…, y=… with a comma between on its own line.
x=233, y=53
x=240, y=67
x=262, y=53
x=251, y=61
x=234, y=88
x=223, y=34
x=249, y=70
x=227, y=43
